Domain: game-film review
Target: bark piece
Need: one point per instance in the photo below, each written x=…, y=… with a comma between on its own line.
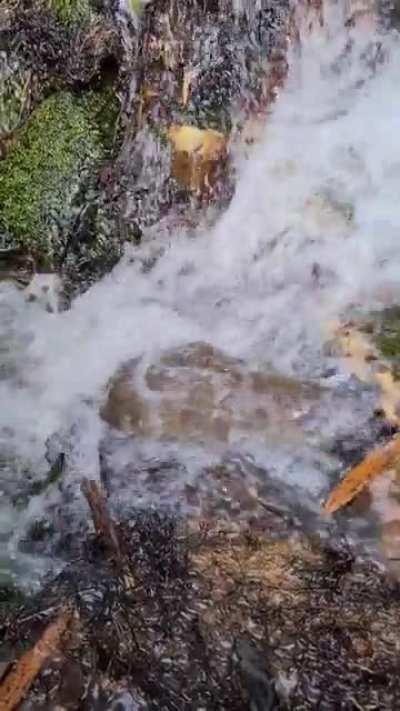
x=19, y=680
x=357, y=478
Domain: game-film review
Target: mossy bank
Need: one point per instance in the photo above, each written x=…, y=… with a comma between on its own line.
x=56, y=158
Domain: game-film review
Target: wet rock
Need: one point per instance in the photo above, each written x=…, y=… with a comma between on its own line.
x=16, y=265
x=199, y=64
x=61, y=44
x=198, y=393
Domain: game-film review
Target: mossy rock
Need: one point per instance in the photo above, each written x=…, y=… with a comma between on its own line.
x=61, y=145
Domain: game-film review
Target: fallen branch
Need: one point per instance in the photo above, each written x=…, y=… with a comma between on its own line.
x=104, y=525
x=357, y=478
x=21, y=677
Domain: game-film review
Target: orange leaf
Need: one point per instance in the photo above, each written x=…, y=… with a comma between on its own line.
x=357, y=478
x=17, y=682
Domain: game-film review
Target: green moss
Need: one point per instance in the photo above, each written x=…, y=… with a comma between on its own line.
x=387, y=337
x=390, y=345
x=71, y=12
x=136, y=6
x=61, y=142
x=104, y=109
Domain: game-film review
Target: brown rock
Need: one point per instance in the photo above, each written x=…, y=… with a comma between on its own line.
x=198, y=393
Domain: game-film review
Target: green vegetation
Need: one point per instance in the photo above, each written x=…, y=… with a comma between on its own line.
x=70, y=12
x=388, y=337
x=136, y=6
x=389, y=345
x=63, y=141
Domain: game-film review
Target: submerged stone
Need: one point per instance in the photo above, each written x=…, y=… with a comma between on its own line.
x=197, y=393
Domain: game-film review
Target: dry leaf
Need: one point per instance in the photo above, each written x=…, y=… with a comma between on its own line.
x=19, y=680
x=195, y=154
x=357, y=478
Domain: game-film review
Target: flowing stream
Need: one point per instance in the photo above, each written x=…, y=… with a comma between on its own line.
x=312, y=234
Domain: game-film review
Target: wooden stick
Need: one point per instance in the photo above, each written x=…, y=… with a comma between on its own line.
x=103, y=523
x=20, y=678
x=357, y=478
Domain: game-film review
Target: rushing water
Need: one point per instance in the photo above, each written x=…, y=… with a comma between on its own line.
x=312, y=232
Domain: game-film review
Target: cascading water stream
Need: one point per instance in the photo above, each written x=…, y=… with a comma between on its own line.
x=311, y=234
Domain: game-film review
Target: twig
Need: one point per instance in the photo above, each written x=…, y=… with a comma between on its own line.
x=35, y=615
x=103, y=523
x=277, y=511
x=21, y=677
